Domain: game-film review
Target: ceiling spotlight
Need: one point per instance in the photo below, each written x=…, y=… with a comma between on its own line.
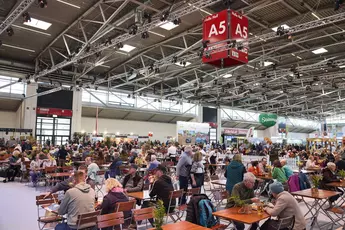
x=71, y=88
x=174, y=59
x=42, y=3
x=151, y=67
x=204, y=43
x=308, y=88
x=10, y=31
x=281, y=31
x=96, y=87
x=23, y=95
x=164, y=16
x=157, y=70
x=26, y=17
x=148, y=17
x=145, y=35
x=19, y=80
x=50, y=81
x=128, y=96
x=338, y=4
x=177, y=21
x=133, y=29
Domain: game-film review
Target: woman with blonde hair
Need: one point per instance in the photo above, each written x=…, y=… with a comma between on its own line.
x=114, y=195
x=140, y=160
x=197, y=171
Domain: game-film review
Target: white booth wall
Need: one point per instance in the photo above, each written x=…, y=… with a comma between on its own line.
x=160, y=130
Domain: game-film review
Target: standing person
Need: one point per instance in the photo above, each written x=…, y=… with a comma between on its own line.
x=79, y=199
x=172, y=151
x=245, y=192
x=285, y=206
x=114, y=168
x=213, y=160
x=62, y=154
x=234, y=172
x=92, y=169
x=278, y=172
x=197, y=171
x=183, y=169
x=26, y=146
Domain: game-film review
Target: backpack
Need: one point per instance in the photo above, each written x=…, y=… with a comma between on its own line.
x=206, y=208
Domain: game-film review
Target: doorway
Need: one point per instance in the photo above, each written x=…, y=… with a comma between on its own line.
x=55, y=129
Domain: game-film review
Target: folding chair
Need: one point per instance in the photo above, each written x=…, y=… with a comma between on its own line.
x=99, y=184
x=178, y=194
x=110, y=220
x=87, y=220
x=48, y=179
x=192, y=191
x=126, y=207
x=143, y=214
x=42, y=202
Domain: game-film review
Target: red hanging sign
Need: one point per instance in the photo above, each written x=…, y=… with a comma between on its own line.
x=54, y=111
x=227, y=26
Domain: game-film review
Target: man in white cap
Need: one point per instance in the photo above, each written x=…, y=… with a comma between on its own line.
x=286, y=206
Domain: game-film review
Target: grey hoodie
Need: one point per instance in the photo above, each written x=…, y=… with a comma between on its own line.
x=77, y=200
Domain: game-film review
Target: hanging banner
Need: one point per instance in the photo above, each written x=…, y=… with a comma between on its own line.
x=282, y=125
x=250, y=132
x=268, y=119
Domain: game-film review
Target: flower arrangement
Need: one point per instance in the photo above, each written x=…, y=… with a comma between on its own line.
x=69, y=163
x=159, y=214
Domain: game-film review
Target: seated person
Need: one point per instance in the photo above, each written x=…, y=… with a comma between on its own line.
x=140, y=160
x=114, y=195
x=288, y=171
x=14, y=168
x=245, y=192
x=35, y=165
x=114, y=169
x=310, y=163
x=77, y=200
x=263, y=164
x=285, y=206
x=92, y=169
x=133, y=156
x=255, y=169
x=49, y=161
x=133, y=182
x=278, y=172
x=328, y=176
x=161, y=190
x=154, y=163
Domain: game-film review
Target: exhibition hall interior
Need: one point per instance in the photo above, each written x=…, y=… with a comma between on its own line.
x=172, y=114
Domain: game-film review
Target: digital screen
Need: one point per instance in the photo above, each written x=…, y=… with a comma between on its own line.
x=209, y=114
x=62, y=99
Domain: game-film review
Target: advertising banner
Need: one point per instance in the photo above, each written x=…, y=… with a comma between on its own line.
x=190, y=133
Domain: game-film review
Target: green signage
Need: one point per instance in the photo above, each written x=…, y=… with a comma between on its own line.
x=268, y=119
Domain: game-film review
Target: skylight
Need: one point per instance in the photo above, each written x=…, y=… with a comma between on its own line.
x=38, y=24
x=182, y=64
x=127, y=48
x=167, y=25
x=268, y=63
x=227, y=75
x=284, y=26
x=320, y=51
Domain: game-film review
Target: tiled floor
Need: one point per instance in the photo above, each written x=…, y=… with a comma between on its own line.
x=18, y=209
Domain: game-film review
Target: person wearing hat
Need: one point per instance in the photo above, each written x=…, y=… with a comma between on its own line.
x=133, y=182
x=161, y=188
x=285, y=206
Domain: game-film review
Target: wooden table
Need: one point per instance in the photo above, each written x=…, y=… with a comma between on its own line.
x=233, y=215
x=317, y=207
x=143, y=195
x=219, y=182
x=182, y=225
x=315, y=169
x=304, y=171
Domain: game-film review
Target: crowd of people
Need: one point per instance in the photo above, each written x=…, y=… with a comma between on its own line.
x=192, y=167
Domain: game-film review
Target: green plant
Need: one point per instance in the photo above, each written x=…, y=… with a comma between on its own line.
x=159, y=214
x=341, y=173
x=316, y=179
x=237, y=201
x=69, y=163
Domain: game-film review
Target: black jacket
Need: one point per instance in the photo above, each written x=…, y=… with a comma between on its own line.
x=193, y=208
x=328, y=177
x=62, y=154
x=162, y=188
x=108, y=206
x=341, y=165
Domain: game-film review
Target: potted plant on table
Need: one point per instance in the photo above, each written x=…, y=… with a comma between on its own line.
x=244, y=208
x=159, y=214
x=341, y=174
x=315, y=179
